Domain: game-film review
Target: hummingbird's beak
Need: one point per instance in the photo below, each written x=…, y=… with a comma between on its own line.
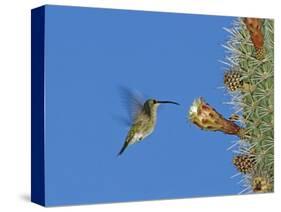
x=168, y=102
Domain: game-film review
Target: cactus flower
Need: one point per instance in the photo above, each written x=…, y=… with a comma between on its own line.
x=207, y=118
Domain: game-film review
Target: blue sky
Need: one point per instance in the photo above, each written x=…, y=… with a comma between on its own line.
x=90, y=53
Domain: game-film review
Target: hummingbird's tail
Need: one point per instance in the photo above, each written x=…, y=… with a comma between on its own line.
x=129, y=140
x=123, y=148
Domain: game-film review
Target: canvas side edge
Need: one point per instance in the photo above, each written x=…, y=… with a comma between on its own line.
x=37, y=105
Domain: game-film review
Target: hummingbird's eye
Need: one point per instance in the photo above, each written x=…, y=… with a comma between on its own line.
x=154, y=101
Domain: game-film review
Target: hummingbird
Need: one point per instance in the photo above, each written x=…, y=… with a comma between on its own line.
x=143, y=121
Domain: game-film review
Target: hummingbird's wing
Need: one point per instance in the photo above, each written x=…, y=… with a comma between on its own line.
x=133, y=102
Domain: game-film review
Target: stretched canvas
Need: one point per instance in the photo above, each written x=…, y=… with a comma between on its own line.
x=139, y=105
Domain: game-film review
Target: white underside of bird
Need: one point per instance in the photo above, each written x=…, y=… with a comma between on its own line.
x=138, y=137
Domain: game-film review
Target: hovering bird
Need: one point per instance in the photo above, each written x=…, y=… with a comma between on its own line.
x=143, y=120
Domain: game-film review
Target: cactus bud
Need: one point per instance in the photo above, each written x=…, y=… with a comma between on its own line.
x=261, y=185
x=254, y=27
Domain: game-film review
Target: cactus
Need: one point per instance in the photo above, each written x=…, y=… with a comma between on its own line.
x=249, y=80
x=250, y=52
